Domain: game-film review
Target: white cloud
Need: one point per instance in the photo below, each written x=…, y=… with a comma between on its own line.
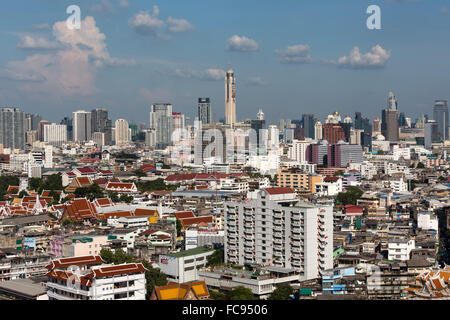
x=103, y=7
x=299, y=53
x=72, y=68
x=42, y=26
x=124, y=4
x=155, y=95
x=243, y=44
x=207, y=74
x=376, y=58
x=38, y=43
x=147, y=23
x=178, y=25
x=256, y=81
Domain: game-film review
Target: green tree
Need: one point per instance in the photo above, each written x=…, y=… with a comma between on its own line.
x=350, y=196
x=92, y=192
x=154, y=278
x=66, y=223
x=22, y=194
x=114, y=196
x=107, y=255
x=282, y=292
x=420, y=165
x=34, y=184
x=179, y=227
x=338, y=173
x=216, y=258
x=240, y=293
x=140, y=173
x=125, y=198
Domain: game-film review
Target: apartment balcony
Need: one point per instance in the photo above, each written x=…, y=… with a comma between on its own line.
x=296, y=230
x=296, y=250
x=296, y=237
x=278, y=215
x=278, y=254
x=275, y=247
x=278, y=228
x=278, y=222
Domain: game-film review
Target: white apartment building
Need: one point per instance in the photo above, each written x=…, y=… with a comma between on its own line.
x=277, y=229
x=396, y=184
x=297, y=151
x=427, y=221
x=55, y=134
x=202, y=237
x=87, y=278
x=400, y=249
x=329, y=188
x=183, y=266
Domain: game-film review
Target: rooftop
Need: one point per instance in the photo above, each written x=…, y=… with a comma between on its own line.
x=191, y=252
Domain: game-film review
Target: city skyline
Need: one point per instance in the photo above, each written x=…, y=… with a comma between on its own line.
x=147, y=53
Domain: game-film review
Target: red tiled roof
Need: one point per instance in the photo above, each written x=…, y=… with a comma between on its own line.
x=279, y=190
x=331, y=179
x=13, y=189
x=86, y=170
x=184, y=214
x=116, y=270
x=74, y=261
x=145, y=212
x=186, y=222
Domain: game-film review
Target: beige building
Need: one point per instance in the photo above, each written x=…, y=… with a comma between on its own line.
x=297, y=179
x=84, y=245
x=230, y=98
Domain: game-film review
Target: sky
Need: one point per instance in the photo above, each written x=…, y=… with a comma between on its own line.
x=290, y=57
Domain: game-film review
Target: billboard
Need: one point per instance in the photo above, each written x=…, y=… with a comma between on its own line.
x=29, y=243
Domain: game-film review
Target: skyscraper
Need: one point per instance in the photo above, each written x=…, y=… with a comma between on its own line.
x=40, y=129
x=230, y=98
x=55, y=134
x=204, y=110
x=82, y=122
x=101, y=123
x=308, y=125
x=13, y=126
x=389, y=119
x=392, y=102
x=431, y=133
x=161, y=122
x=440, y=114
x=122, y=132
x=389, y=124
x=318, y=130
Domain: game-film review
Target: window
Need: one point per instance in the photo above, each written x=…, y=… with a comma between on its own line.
x=189, y=261
x=189, y=268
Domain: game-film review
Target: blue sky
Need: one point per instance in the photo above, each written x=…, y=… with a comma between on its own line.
x=130, y=54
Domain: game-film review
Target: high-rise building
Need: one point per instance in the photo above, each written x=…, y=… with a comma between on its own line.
x=341, y=154
x=440, y=114
x=230, y=98
x=55, y=134
x=392, y=102
x=161, y=122
x=204, y=110
x=298, y=149
x=122, y=132
x=376, y=127
x=389, y=124
x=402, y=119
x=40, y=129
x=358, y=120
x=101, y=123
x=13, y=126
x=308, y=125
x=276, y=229
x=333, y=133
x=431, y=133
x=99, y=139
x=318, y=131
x=69, y=124
x=82, y=126
x=260, y=115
